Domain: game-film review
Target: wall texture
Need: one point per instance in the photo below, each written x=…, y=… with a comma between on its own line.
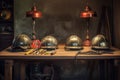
x=60, y=17
x=116, y=23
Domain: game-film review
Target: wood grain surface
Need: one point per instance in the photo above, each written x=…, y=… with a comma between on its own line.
x=61, y=53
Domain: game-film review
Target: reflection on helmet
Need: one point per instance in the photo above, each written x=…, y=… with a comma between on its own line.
x=73, y=42
x=100, y=42
x=21, y=41
x=49, y=42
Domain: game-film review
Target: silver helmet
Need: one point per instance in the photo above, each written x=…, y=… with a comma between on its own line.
x=21, y=41
x=49, y=42
x=73, y=43
x=100, y=42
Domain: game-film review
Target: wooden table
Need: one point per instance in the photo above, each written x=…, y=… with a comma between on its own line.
x=61, y=54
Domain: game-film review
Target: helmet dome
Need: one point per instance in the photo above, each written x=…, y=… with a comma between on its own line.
x=22, y=41
x=73, y=42
x=49, y=42
x=100, y=42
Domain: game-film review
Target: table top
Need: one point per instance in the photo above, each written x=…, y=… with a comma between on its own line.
x=61, y=53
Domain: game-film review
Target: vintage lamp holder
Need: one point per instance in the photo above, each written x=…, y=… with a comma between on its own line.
x=34, y=14
x=87, y=14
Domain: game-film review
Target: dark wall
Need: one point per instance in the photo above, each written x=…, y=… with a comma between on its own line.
x=60, y=17
x=117, y=23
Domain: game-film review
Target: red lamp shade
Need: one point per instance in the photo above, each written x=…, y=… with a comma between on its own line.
x=87, y=13
x=34, y=13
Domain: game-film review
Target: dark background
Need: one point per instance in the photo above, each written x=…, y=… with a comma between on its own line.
x=116, y=27
x=61, y=18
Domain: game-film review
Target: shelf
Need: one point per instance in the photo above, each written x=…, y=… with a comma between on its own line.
x=6, y=23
